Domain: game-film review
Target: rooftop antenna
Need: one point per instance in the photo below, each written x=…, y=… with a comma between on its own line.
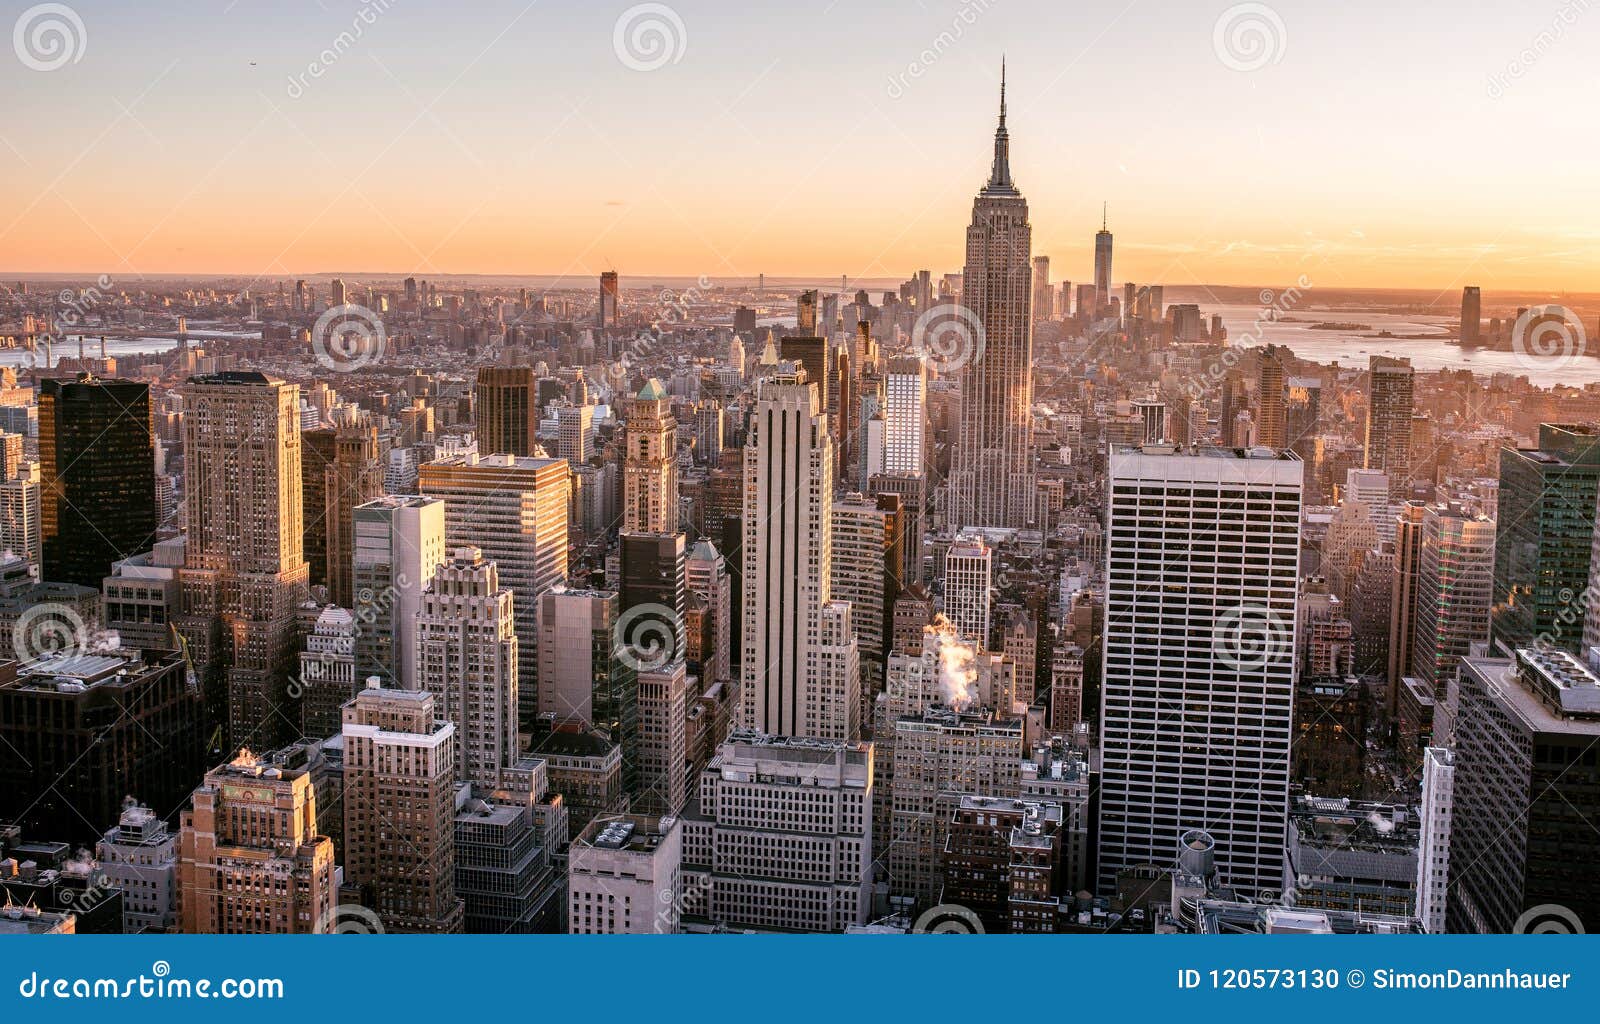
x=1102, y=215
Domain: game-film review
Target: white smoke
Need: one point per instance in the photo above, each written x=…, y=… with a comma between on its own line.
x=958, y=672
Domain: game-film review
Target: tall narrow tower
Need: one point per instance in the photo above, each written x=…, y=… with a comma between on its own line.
x=992, y=482
x=1102, y=262
x=650, y=463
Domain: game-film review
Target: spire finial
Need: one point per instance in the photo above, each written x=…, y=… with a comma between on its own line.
x=1002, y=90
x=1000, y=176
x=1102, y=215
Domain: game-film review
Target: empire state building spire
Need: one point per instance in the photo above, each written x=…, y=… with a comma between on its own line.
x=1000, y=183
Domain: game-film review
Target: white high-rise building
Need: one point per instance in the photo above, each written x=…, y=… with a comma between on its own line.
x=788, y=552
x=1203, y=552
x=1433, y=846
x=623, y=876
x=140, y=857
x=19, y=515
x=399, y=542
x=575, y=437
x=968, y=575
x=467, y=658
x=992, y=479
x=905, y=417
x=781, y=836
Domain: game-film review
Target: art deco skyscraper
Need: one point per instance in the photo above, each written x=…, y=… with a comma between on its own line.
x=1202, y=577
x=250, y=858
x=244, y=568
x=97, y=487
x=788, y=560
x=992, y=481
x=650, y=464
x=467, y=657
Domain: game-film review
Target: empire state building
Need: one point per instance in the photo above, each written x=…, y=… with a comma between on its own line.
x=992, y=481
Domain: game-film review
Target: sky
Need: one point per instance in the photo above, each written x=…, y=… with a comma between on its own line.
x=1361, y=144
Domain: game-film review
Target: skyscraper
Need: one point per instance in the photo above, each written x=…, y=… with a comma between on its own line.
x=1102, y=264
x=650, y=463
x=968, y=575
x=244, y=568
x=781, y=836
x=992, y=480
x=610, y=298
x=250, y=858
x=97, y=487
x=905, y=415
x=467, y=657
x=355, y=476
x=399, y=542
x=788, y=557
x=1199, y=665
x=399, y=810
x=867, y=565
x=1526, y=792
x=514, y=510
x=1390, y=406
x=1471, y=315
x=1545, y=535
x=1455, y=584
x=1271, y=424
x=506, y=402
x=1041, y=288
